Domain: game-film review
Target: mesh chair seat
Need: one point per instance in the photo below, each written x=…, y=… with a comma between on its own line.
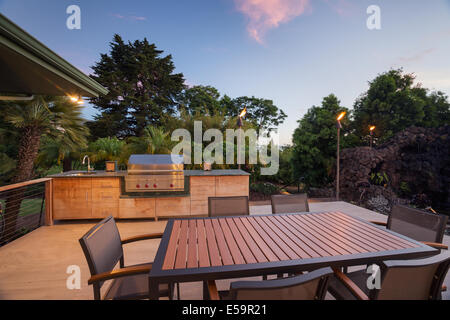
x=228, y=206
x=419, y=279
x=132, y=287
x=290, y=203
x=417, y=224
x=340, y=292
x=310, y=286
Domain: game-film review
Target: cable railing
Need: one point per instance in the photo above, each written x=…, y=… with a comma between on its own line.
x=24, y=207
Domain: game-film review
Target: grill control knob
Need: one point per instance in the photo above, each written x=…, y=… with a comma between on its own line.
x=154, y=186
x=138, y=186
x=171, y=185
x=146, y=185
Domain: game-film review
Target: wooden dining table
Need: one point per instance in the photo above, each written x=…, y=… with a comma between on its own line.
x=202, y=249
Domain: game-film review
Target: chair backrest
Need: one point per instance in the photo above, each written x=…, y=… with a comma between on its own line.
x=102, y=246
x=290, y=203
x=310, y=286
x=228, y=206
x=412, y=279
x=417, y=224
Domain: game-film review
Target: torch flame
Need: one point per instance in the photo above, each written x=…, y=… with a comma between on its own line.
x=243, y=112
x=372, y=128
x=342, y=115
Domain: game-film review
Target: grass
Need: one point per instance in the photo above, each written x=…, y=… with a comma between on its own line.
x=27, y=207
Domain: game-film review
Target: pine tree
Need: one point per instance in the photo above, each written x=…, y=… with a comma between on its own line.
x=142, y=89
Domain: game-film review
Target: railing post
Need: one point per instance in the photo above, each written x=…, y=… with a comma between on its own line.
x=49, y=203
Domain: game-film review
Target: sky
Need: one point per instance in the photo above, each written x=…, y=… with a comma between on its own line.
x=294, y=52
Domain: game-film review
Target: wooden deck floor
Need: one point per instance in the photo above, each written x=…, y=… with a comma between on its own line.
x=34, y=266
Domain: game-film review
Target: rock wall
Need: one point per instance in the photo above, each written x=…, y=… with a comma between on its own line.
x=416, y=161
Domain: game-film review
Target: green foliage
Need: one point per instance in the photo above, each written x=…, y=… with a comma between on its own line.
x=393, y=103
x=379, y=179
x=142, y=89
x=108, y=149
x=404, y=189
x=42, y=118
x=265, y=188
x=200, y=100
x=315, y=140
x=153, y=141
x=262, y=113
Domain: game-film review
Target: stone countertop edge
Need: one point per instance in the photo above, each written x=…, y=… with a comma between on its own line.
x=187, y=173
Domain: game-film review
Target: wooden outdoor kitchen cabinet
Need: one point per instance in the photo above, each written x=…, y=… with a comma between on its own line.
x=98, y=197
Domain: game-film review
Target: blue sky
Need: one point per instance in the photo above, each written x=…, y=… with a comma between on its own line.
x=294, y=52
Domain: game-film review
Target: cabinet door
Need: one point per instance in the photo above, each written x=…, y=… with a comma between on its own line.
x=227, y=186
x=72, y=198
x=173, y=207
x=202, y=187
x=137, y=208
x=199, y=207
x=105, y=202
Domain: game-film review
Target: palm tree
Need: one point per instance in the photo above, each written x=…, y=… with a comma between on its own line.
x=108, y=149
x=55, y=117
x=153, y=141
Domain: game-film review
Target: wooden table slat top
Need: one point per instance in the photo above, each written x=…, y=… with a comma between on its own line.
x=227, y=241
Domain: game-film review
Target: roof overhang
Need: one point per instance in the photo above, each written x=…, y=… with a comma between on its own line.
x=28, y=67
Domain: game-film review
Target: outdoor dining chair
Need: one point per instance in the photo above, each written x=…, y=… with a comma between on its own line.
x=228, y=206
x=103, y=249
x=400, y=280
x=310, y=286
x=417, y=224
x=289, y=203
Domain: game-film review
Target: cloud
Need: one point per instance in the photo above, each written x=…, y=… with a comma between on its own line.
x=418, y=56
x=264, y=15
x=133, y=18
x=342, y=7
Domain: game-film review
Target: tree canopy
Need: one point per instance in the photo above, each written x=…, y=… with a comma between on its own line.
x=142, y=88
x=314, y=142
x=393, y=103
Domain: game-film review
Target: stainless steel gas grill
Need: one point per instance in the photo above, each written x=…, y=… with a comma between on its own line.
x=154, y=173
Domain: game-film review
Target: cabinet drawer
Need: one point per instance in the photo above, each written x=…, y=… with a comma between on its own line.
x=106, y=183
x=173, y=207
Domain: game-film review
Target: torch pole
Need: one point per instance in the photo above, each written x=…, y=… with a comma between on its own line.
x=337, y=162
x=371, y=137
x=239, y=149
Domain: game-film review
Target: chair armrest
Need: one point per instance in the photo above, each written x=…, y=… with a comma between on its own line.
x=212, y=290
x=143, y=237
x=123, y=272
x=436, y=245
x=379, y=223
x=350, y=285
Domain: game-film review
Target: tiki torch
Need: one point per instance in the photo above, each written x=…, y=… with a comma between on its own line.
x=240, y=124
x=339, y=127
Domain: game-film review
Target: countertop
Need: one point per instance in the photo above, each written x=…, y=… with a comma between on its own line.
x=187, y=173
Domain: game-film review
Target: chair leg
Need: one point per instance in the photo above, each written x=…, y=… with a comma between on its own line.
x=170, y=291
x=178, y=291
x=264, y=277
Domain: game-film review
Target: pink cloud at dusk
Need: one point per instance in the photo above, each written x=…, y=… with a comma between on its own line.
x=264, y=15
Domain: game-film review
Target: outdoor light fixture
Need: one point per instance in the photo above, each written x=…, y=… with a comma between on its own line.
x=240, y=124
x=77, y=100
x=339, y=127
x=371, y=129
